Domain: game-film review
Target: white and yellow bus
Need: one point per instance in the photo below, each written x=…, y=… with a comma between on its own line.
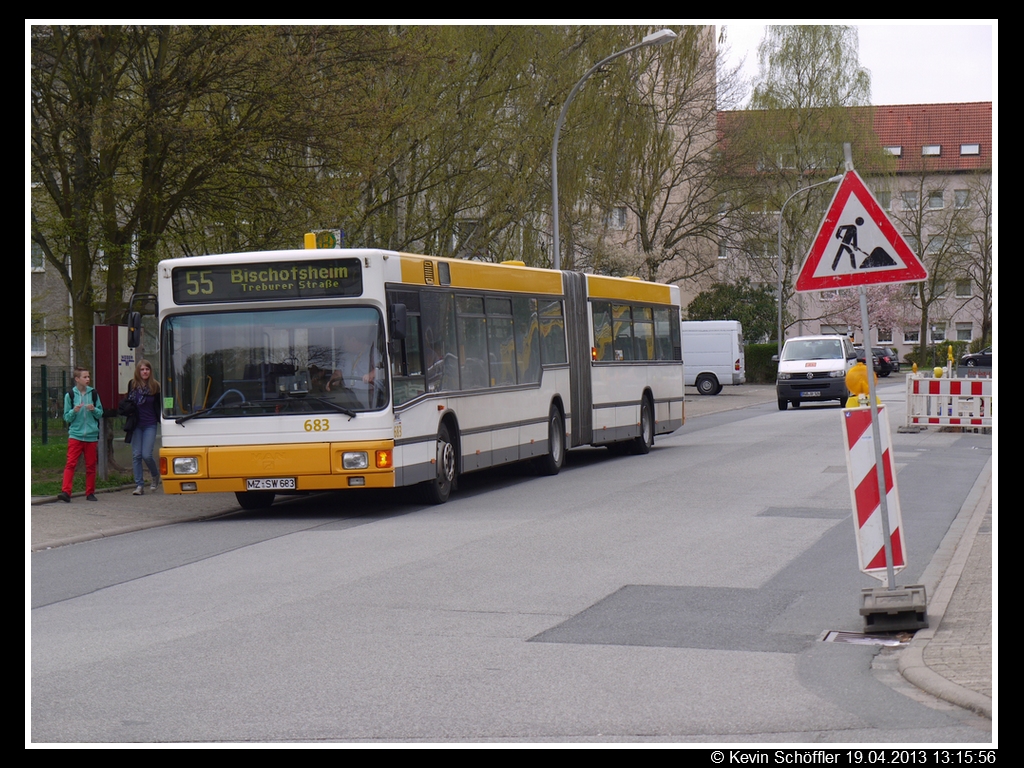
x=313, y=370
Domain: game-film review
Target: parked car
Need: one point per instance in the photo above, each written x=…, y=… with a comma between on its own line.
x=895, y=359
x=882, y=360
x=981, y=359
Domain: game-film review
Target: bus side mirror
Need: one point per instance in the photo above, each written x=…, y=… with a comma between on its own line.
x=398, y=321
x=134, y=329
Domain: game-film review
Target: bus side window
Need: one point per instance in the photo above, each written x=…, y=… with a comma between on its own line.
x=643, y=334
x=440, y=353
x=527, y=337
x=622, y=332
x=602, y=312
x=552, y=330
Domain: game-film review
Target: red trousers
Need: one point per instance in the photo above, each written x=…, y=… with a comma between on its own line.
x=75, y=449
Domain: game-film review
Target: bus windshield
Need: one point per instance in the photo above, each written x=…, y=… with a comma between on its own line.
x=230, y=364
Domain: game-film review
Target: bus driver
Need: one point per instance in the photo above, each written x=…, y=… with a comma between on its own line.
x=356, y=368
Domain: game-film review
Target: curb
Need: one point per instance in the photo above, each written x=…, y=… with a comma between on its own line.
x=80, y=495
x=940, y=579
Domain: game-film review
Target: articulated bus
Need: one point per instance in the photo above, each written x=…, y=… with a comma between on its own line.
x=312, y=370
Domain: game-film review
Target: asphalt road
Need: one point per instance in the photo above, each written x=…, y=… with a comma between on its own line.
x=677, y=597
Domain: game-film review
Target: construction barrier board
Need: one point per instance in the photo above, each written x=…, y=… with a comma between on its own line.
x=867, y=516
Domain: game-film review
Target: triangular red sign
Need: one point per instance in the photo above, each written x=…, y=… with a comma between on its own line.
x=857, y=245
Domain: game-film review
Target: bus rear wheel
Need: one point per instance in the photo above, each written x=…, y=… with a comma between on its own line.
x=642, y=444
x=439, y=489
x=551, y=462
x=254, y=499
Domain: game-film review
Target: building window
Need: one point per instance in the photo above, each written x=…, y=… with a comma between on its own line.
x=970, y=149
x=723, y=250
x=37, y=261
x=909, y=200
x=935, y=201
x=938, y=332
x=961, y=198
x=940, y=289
x=963, y=289
x=913, y=289
x=617, y=218
x=935, y=245
x=836, y=330
x=884, y=198
x=911, y=335
x=829, y=295
x=964, y=331
x=895, y=151
x=38, y=336
x=931, y=150
x=885, y=335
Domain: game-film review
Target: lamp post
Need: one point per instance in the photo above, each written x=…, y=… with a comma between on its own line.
x=779, y=251
x=655, y=38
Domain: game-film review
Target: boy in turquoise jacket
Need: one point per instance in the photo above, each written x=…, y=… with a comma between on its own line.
x=82, y=412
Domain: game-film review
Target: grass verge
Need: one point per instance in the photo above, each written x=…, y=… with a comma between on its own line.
x=48, y=468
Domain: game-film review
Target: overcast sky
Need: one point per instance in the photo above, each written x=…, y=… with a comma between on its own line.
x=923, y=62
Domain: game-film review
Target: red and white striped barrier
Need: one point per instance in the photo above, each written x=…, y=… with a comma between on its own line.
x=867, y=518
x=949, y=402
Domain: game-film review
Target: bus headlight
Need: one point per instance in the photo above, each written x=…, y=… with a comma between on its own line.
x=186, y=465
x=355, y=460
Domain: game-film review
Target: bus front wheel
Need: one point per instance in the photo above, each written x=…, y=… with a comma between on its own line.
x=439, y=489
x=254, y=499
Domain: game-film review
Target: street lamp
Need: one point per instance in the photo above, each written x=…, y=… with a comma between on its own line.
x=779, y=251
x=655, y=38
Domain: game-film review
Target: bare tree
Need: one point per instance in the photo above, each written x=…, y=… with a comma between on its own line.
x=793, y=137
x=670, y=167
x=138, y=131
x=940, y=230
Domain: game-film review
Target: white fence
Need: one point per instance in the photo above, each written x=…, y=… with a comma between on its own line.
x=950, y=402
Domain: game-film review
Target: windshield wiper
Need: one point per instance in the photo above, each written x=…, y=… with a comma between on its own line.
x=211, y=409
x=340, y=408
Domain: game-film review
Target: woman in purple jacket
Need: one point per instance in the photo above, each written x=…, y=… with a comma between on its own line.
x=145, y=395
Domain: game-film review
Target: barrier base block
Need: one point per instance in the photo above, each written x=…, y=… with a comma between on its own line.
x=890, y=610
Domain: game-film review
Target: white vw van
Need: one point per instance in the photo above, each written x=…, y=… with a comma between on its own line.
x=713, y=354
x=813, y=368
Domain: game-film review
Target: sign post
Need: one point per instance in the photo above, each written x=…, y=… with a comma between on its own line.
x=857, y=246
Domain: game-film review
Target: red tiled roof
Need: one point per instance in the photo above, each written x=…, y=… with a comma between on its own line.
x=947, y=125
x=912, y=126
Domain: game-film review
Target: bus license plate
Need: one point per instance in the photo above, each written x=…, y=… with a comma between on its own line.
x=271, y=484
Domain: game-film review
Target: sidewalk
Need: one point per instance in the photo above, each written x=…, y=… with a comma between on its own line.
x=951, y=659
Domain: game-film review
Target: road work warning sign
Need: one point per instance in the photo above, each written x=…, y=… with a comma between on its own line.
x=857, y=244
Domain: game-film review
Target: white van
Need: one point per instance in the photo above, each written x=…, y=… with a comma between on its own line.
x=813, y=368
x=713, y=354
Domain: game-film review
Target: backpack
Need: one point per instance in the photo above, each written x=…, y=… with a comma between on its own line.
x=95, y=398
x=95, y=401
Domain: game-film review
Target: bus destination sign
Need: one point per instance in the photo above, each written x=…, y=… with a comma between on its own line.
x=267, y=281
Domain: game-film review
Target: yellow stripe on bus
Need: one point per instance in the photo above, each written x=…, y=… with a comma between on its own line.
x=629, y=290
x=483, y=276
